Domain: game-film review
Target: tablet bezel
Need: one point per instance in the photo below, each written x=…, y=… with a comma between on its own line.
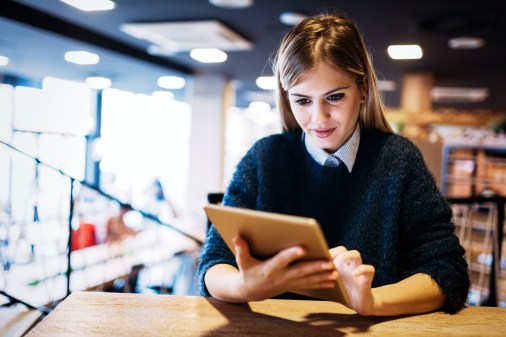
x=268, y=233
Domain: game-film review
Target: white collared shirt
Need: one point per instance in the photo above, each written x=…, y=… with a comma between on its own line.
x=347, y=152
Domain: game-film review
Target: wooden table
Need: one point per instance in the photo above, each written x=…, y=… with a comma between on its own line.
x=110, y=314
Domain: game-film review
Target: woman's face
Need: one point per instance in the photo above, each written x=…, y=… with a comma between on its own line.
x=326, y=104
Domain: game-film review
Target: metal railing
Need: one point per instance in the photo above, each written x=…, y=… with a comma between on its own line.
x=69, y=248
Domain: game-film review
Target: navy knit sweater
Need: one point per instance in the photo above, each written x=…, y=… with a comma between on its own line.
x=388, y=208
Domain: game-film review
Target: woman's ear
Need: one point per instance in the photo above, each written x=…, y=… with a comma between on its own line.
x=363, y=89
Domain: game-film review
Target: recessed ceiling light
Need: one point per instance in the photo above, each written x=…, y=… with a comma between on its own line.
x=98, y=82
x=232, y=3
x=4, y=60
x=91, y=5
x=171, y=82
x=267, y=82
x=291, y=18
x=405, y=52
x=208, y=55
x=466, y=42
x=81, y=57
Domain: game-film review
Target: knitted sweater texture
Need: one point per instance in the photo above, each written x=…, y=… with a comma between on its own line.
x=388, y=208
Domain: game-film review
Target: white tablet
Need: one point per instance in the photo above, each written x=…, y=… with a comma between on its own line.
x=268, y=233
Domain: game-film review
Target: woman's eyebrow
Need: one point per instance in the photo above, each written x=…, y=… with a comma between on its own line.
x=336, y=89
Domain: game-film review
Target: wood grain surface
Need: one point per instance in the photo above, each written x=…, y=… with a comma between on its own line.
x=110, y=314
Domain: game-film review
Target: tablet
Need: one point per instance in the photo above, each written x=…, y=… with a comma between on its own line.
x=268, y=233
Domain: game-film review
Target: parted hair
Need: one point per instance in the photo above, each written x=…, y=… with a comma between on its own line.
x=336, y=40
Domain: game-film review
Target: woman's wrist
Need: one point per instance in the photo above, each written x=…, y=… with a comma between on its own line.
x=224, y=283
x=378, y=303
x=236, y=288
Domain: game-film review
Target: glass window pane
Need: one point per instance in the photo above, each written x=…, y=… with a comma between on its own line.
x=6, y=98
x=62, y=106
x=144, y=138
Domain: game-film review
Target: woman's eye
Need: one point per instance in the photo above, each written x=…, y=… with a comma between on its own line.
x=335, y=97
x=302, y=101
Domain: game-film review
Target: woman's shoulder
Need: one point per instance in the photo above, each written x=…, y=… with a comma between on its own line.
x=391, y=148
x=390, y=142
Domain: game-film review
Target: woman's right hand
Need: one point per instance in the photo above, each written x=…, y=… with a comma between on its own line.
x=258, y=280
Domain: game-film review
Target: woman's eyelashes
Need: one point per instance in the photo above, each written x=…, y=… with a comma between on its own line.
x=302, y=101
x=332, y=98
x=335, y=97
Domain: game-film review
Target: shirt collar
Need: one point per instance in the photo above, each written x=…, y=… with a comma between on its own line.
x=347, y=152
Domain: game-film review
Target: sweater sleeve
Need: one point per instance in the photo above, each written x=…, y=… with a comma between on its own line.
x=428, y=242
x=240, y=193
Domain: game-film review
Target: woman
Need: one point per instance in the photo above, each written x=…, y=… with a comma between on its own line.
x=378, y=205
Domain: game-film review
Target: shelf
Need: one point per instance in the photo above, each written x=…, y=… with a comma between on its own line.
x=43, y=280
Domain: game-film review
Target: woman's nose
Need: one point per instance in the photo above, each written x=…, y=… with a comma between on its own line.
x=319, y=113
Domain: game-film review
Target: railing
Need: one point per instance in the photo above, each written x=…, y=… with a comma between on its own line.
x=69, y=249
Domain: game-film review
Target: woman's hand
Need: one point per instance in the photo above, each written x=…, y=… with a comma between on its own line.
x=356, y=279
x=258, y=280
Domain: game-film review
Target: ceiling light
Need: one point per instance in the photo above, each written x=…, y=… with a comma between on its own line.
x=97, y=82
x=91, y=5
x=232, y=3
x=81, y=57
x=4, y=60
x=291, y=18
x=208, y=55
x=405, y=52
x=459, y=95
x=267, y=82
x=467, y=42
x=171, y=82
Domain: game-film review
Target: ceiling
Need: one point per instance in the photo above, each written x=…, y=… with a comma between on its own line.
x=36, y=33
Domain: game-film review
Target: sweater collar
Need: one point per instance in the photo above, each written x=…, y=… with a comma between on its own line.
x=347, y=152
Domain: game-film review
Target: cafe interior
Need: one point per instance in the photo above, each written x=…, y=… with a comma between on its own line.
x=119, y=123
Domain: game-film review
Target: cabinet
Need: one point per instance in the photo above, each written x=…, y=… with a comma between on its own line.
x=473, y=178
x=469, y=170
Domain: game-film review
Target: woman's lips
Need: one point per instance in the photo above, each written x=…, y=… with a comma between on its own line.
x=323, y=133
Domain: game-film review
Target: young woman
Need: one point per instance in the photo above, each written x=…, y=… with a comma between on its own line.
x=338, y=161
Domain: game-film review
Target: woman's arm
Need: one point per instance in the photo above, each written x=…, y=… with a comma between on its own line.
x=256, y=280
x=415, y=294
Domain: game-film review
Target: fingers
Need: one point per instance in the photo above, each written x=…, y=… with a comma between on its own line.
x=364, y=273
x=287, y=256
x=336, y=251
x=347, y=260
x=303, y=269
x=311, y=275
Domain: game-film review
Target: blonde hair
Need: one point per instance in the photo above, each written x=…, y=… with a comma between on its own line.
x=333, y=39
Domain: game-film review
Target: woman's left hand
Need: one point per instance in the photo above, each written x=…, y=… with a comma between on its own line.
x=356, y=278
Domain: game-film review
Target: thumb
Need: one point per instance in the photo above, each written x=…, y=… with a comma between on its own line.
x=242, y=253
